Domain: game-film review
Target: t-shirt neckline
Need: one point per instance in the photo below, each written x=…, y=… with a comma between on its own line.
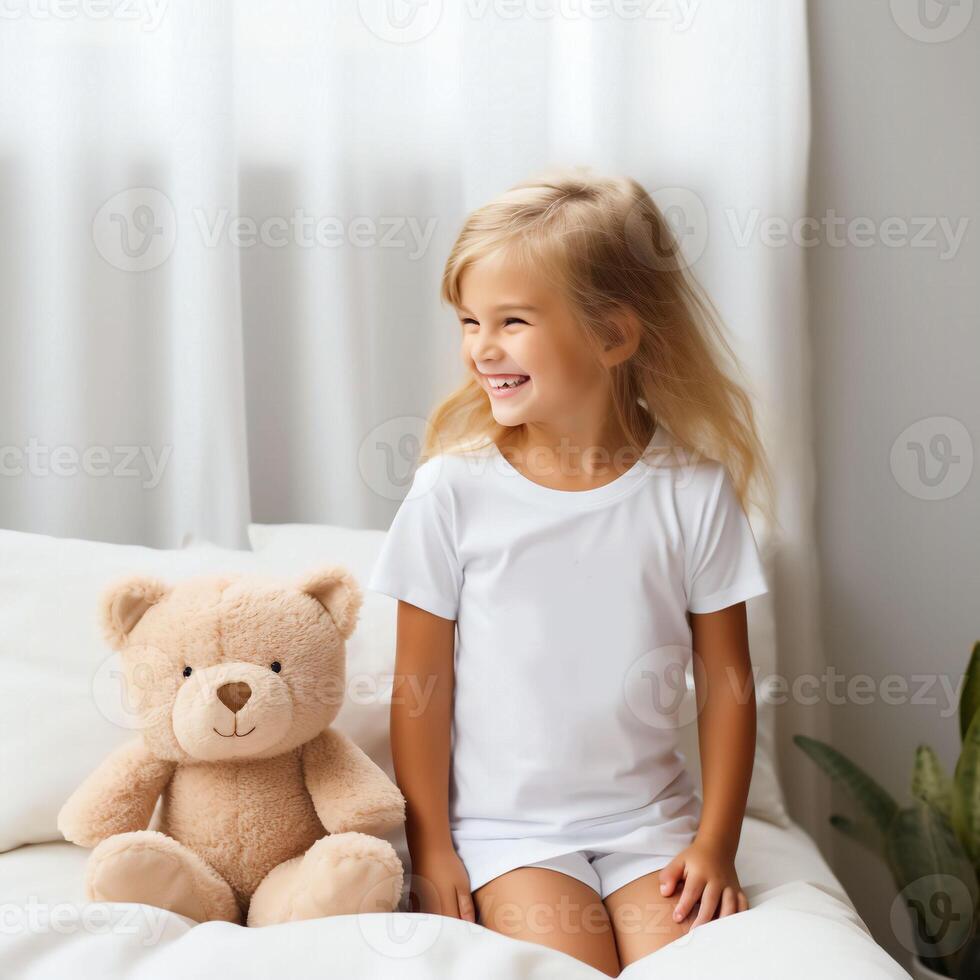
x=624, y=484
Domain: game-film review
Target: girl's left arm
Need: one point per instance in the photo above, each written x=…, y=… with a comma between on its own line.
x=726, y=733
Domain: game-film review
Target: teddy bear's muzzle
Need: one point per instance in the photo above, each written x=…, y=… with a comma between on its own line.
x=218, y=706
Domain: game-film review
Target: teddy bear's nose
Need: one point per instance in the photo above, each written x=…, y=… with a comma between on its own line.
x=235, y=695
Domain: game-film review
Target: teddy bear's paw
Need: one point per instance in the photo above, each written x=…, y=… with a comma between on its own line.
x=153, y=869
x=348, y=873
x=341, y=874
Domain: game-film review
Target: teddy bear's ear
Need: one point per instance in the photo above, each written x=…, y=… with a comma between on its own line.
x=124, y=604
x=338, y=592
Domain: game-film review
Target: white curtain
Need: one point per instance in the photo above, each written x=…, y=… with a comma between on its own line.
x=224, y=227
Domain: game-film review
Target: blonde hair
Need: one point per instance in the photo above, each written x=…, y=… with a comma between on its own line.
x=606, y=246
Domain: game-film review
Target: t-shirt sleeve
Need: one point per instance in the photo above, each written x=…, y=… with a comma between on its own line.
x=418, y=559
x=723, y=565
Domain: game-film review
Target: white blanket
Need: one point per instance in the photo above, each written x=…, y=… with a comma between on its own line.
x=800, y=923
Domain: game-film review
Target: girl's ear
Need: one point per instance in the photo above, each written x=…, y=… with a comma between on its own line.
x=338, y=592
x=125, y=602
x=628, y=330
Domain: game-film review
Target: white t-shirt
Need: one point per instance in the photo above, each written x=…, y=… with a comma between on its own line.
x=572, y=642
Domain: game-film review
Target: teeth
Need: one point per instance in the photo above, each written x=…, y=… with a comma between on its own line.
x=510, y=381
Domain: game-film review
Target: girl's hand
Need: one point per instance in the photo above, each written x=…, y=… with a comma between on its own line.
x=709, y=873
x=440, y=884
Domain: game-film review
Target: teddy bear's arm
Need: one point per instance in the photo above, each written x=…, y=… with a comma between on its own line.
x=116, y=798
x=348, y=790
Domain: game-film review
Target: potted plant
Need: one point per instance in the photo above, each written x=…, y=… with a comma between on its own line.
x=931, y=847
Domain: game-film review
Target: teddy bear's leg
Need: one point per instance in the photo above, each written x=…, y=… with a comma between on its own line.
x=151, y=868
x=339, y=875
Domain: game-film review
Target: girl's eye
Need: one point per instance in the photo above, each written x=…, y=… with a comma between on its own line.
x=511, y=319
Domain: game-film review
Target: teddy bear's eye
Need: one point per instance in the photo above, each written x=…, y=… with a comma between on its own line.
x=276, y=666
x=187, y=671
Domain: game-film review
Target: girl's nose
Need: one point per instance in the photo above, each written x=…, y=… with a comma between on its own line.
x=483, y=345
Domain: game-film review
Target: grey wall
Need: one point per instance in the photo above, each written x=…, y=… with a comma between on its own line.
x=896, y=339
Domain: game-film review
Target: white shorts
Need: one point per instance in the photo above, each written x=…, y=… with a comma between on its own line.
x=603, y=871
x=605, y=853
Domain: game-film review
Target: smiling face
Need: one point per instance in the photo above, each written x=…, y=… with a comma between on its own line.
x=516, y=329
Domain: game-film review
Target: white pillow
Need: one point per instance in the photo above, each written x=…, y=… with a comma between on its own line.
x=61, y=702
x=300, y=544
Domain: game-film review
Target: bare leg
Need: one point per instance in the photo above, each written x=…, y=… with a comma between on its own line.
x=643, y=919
x=553, y=909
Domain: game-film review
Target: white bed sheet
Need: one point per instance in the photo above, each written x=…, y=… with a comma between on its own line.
x=800, y=922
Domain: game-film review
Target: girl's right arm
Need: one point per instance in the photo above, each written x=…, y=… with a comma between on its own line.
x=421, y=713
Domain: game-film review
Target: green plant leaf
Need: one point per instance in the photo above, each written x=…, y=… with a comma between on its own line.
x=970, y=695
x=966, y=793
x=930, y=781
x=874, y=799
x=866, y=835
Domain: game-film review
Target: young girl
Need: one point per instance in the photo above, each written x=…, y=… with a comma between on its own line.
x=575, y=532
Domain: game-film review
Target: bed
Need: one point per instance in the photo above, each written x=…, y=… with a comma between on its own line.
x=63, y=711
x=800, y=920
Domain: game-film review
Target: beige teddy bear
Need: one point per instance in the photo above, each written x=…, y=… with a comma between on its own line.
x=236, y=682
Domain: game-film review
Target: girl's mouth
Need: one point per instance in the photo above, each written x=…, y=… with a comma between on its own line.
x=505, y=385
